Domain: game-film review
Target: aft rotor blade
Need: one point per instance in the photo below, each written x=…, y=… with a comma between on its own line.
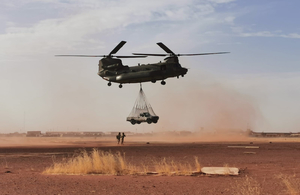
x=149, y=54
x=194, y=54
x=165, y=48
x=117, y=48
x=198, y=54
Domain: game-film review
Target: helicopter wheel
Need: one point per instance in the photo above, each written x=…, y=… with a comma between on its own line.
x=182, y=75
x=154, y=81
x=120, y=86
x=109, y=84
x=163, y=82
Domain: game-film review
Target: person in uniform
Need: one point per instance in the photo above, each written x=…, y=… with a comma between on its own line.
x=123, y=135
x=119, y=137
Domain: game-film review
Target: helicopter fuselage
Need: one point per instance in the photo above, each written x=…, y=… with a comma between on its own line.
x=113, y=71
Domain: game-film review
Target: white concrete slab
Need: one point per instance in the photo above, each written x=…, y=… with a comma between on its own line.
x=220, y=170
x=252, y=147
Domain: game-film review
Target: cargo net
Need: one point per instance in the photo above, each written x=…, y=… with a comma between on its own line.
x=142, y=110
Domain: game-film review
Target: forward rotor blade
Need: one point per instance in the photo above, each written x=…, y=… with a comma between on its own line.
x=80, y=55
x=165, y=48
x=141, y=56
x=117, y=48
x=150, y=54
x=198, y=54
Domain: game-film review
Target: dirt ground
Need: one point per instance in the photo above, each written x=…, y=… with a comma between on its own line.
x=22, y=161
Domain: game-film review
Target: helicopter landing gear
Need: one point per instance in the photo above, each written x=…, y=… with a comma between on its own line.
x=109, y=84
x=182, y=75
x=120, y=86
x=177, y=77
x=163, y=82
x=154, y=81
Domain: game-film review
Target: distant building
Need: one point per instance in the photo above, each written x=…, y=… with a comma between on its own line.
x=72, y=134
x=33, y=133
x=15, y=134
x=273, y=134
x=92, y=134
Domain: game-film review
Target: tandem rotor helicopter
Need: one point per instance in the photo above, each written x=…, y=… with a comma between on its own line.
x=112, y=69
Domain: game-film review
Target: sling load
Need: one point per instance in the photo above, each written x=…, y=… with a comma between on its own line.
x=142, y=110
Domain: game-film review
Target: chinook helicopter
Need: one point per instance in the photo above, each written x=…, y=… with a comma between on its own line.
x=112, y=69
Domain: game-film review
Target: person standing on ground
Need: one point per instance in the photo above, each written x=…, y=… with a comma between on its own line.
x=123, y=135
x=119, y=137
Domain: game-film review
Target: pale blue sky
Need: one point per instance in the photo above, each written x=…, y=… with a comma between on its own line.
x=257, y=83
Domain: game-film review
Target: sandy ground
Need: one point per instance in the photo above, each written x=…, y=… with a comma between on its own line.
x=22, y=161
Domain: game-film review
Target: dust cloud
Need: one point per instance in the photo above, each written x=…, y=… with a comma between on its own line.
x=210, y=109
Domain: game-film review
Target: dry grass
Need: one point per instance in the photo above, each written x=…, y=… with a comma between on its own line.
x=291, y=183
x=145, y=169
x=165, y=167
x=198, y=166
x=248, y=186
x=97, y=162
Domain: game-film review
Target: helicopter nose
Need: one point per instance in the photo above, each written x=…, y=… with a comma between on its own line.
x=184, y=70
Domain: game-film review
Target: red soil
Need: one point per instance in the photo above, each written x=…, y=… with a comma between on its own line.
x=21, y=167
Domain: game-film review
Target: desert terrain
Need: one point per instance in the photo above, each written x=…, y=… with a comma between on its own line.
x=273, y=168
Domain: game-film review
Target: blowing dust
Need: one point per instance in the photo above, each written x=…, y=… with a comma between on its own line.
x=211, y=110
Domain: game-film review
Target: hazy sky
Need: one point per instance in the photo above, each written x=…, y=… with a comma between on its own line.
x=256, y=85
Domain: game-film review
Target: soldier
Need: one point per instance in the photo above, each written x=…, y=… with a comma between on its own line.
x=123, y=135
x=118, y=137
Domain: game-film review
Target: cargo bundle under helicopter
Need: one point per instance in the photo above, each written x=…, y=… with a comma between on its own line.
x=142, y=111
